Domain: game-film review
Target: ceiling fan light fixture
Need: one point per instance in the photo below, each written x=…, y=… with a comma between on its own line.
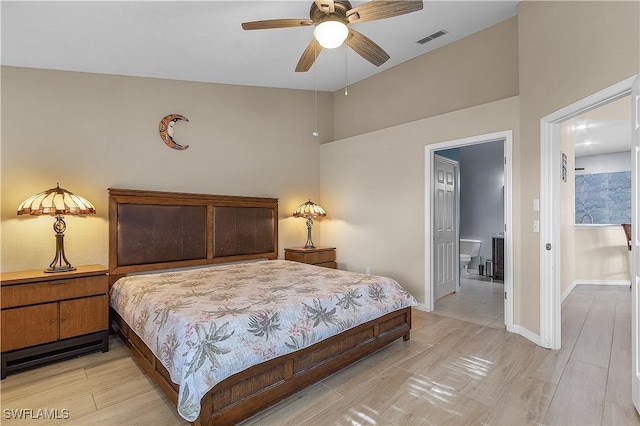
x=331, y=34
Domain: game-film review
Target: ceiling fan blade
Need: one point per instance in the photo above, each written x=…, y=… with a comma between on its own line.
x=327, y=6
x=366, y=48
x=378, y=9
x=309, y=56
x=276, y=23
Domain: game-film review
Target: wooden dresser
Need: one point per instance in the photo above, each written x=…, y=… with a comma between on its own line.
x=320, y=256
x=50, y=316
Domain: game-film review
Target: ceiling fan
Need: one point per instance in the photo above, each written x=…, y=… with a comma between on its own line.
x=331, y=19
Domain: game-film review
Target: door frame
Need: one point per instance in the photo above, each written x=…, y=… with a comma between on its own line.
x=550, y=197
x=456, y=242
x=507, y=137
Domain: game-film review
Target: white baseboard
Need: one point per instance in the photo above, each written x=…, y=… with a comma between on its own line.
x=527, y=334
x=568, y=291
x=422, y=307
x=602, y=282
x=594, y=282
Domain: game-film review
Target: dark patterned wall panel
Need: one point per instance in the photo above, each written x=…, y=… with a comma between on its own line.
x=159, y=233
x=242, y=230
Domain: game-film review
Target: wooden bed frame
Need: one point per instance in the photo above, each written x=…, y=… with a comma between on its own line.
x=151, y=230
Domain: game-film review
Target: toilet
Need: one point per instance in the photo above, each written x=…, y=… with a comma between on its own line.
x=468, y=249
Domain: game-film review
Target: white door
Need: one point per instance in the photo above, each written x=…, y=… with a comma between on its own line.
x=635, y=240
x=445, y=247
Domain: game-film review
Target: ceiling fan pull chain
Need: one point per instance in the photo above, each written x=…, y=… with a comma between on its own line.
x=315, y=98
x=346, y=72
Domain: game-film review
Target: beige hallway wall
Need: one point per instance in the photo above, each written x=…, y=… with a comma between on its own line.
x=90, y=132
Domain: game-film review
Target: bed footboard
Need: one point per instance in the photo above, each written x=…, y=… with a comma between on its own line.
x=250, y=391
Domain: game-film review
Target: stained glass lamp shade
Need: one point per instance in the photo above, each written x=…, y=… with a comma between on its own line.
x=57, y=202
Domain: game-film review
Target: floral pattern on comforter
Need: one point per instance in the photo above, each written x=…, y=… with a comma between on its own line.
x=207, y=324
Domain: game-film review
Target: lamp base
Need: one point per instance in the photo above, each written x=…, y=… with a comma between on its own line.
x=60, y=262
x=309, y=244
x=63, y=268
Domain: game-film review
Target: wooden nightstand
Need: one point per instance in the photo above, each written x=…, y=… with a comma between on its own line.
x=50, y=316
x=320, y=256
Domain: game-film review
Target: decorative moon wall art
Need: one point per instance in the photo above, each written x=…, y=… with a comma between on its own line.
x=167, y=131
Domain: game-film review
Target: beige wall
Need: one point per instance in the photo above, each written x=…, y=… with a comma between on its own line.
x=477, y=69
x=90, y=132
x=373, y=188
x=601, y=255
x=568, y=50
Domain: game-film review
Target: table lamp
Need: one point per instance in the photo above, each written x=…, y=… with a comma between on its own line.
x=57, y=202
x=309, y=211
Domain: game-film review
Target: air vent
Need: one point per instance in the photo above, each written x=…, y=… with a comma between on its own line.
x=432, y=37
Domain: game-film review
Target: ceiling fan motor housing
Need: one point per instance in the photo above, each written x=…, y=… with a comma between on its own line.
x=317, y=15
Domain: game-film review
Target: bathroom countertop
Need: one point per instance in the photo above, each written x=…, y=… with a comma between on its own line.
x=596, y=226
x=498, y=235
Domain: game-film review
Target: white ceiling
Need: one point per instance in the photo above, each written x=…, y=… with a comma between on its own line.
x=203, y=40
x=604, y=130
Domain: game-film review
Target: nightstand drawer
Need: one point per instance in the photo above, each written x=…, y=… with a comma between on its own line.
x=79, y=287
x=320, y=256
x=28, y=294
x=83, y=316
x=22, y=327
x=312, y=257
x=50, y=291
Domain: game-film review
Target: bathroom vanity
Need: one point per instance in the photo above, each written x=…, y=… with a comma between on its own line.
x=497, y=253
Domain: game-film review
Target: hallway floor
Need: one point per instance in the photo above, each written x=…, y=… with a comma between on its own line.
x=480, y=301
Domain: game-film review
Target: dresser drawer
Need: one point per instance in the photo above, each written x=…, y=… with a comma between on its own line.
x=50, y=291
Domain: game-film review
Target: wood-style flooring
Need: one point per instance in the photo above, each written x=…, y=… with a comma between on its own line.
x=450, y=372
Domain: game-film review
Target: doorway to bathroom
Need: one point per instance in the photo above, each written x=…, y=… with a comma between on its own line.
x=480, y=295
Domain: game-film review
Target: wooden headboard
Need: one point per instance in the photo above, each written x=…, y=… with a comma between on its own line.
x=151, y=230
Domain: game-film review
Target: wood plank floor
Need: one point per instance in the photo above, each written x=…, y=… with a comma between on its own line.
x=450, y=372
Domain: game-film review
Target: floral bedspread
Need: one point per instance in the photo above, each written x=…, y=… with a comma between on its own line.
x=207, y=324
